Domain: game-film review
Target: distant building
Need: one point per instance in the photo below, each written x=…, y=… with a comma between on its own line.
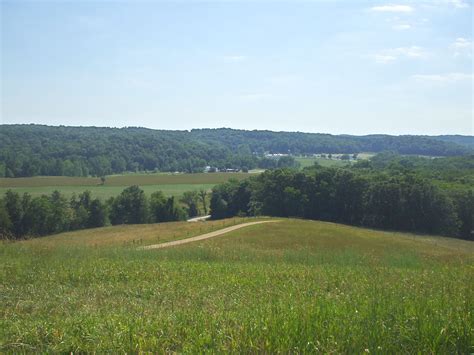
x=275, y=155
x=210, y=169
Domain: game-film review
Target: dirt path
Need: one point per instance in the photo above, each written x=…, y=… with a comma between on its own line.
x=204, y=236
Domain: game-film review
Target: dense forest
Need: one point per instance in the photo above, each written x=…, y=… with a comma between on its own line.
x=30, y=150
x=24, y=216
x=467, y=141
x=391, y=193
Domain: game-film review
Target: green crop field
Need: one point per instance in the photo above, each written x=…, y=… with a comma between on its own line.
x=170, y=184
x=291, y=286
x=309, y=161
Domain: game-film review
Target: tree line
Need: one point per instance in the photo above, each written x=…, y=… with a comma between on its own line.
x=26, y=216
x=31, y=150
x=401, y=201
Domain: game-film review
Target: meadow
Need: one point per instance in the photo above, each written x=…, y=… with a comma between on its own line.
x=169, y=184
x=290, y=286
x=309, y=161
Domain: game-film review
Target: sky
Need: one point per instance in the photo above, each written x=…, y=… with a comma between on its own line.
x=341, y=67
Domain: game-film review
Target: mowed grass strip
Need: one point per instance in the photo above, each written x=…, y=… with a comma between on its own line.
x=292, y=286
x=104, y=192
x=122, y=180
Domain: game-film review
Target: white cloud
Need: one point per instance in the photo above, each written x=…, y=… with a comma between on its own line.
x=384, y=59
x=459, y=4
x=461, y=46
x=461, y=43
x=235, y=58
x=401, y=27
x=443, y=78
x=410, y=52
x=393, y=8
x=390, y=55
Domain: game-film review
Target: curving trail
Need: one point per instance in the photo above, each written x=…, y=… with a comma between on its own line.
x=204, y=236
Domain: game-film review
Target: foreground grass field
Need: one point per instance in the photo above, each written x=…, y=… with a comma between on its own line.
x=290, y=286
x=170, y=184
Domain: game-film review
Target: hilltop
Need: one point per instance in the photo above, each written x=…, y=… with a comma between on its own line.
x=30, y=150
x=291, y=286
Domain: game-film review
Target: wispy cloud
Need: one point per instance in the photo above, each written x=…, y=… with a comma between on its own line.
x=461, y=46
x=460, y=4
x=401, y=27
x=391, y=55
x=384, y=59
x=410, y=52
x=393, y=8
x=443, y=78
x=461, y=43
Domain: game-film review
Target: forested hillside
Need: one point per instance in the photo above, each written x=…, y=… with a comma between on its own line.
x=29, y=150
x=467, y=141
x=309, y=143
x=417, y=195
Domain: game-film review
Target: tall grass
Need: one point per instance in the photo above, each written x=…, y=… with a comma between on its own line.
x=264, y=288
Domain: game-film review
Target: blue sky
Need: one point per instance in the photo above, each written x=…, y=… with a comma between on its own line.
x=355, y=67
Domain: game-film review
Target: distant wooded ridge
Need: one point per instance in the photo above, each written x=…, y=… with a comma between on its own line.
x=29, y=150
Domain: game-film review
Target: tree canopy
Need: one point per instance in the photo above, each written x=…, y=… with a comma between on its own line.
x=30, y=150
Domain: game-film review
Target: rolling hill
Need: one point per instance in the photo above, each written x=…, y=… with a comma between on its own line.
x=30, y=150
x=291, y=286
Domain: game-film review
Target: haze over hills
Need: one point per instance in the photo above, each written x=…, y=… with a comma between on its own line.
x=467, y=141
x=29, y=150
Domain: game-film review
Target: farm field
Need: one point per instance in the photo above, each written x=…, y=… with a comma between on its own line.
x=309, y=161
x=289, y=286
x=170, y=184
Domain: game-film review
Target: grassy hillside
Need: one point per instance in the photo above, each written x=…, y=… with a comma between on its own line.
x=170, y=184
x=291, y=286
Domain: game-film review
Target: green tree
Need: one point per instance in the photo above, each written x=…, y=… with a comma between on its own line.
x=80, y=206
x=40, y=213
x=5, y=222
x=218, y=206
x=97, y=214
x=14, y=209
x=203, y=197
x=465, y=210
x=190, y=199
x=60, y=213
x=294, y=202
x=130, y=207
x=158, y=212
